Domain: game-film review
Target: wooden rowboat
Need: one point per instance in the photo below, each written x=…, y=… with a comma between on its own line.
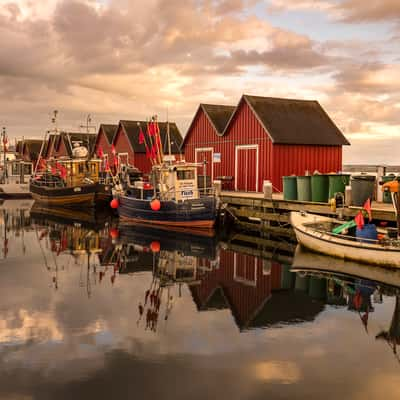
x=315, y=233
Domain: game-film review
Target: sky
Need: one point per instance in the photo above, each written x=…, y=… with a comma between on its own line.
x=130, y=59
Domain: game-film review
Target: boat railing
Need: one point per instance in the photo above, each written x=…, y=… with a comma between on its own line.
x=359, y=240
x=44, y=181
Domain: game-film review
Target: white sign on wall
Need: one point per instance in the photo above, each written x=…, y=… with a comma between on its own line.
x=216, y=157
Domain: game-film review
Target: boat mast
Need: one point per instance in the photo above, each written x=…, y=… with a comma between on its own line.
x=4, y=137
x=168, y=137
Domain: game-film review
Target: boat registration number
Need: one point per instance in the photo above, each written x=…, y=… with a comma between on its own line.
x=77, y=189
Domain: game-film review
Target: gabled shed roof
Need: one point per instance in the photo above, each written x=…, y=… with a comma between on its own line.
x=217, y=114
x=109, y=130
x=132, y=129
x=290, y=121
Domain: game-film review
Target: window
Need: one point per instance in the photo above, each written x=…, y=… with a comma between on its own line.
x=185, y=174
x=81, y=168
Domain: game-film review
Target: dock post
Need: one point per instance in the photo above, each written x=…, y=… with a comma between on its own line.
x=267, y=190
x=217, y=187
x=347, y=196
x=381, y=172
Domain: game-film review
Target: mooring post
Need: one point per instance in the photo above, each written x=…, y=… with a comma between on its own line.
x=267, y=190
x=217, y=187
x=381, y=172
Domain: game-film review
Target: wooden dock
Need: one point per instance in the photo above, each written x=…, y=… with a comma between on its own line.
x=254, y=212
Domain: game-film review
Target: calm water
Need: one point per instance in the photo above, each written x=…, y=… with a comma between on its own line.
x=89, y=311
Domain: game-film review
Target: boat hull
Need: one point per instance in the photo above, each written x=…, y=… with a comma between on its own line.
x=197, y=213
x=336, y=246
x=68, y=197
x=104, y=193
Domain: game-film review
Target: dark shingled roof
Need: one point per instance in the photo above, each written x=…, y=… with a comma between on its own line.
x=32, y=146
x=218, y=115
x=109, y=130
x=132, y=130
x=290, y=121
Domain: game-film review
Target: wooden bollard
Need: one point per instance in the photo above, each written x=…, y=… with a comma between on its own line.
x=217, y=187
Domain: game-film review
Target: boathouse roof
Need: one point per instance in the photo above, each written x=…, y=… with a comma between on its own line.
x=109, y=130
x=218, y=115
x=132, y=129
x=30, y=146
x=291, y=121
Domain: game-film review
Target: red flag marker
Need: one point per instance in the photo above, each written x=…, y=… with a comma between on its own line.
x=141, y=136
x=359, y=219
x=367, y=207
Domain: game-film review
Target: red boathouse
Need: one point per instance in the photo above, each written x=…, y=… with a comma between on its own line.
x=130, y=152
x=264, y=138
x=104, y=140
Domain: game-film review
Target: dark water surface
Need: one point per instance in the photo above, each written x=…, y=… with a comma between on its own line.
x=217, y=324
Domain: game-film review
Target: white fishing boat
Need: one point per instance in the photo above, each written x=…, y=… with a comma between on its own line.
x=14, y=178
x=315, y=233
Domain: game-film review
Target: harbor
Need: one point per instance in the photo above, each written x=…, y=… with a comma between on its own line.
x=199, y=200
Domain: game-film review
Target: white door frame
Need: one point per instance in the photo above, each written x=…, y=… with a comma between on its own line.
x=204, y=149
x=123, y=155
x=245, y=147
x=241, y=279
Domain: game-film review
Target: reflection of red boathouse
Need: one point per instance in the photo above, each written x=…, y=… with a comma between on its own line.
x=258, y=292
x=242, y=283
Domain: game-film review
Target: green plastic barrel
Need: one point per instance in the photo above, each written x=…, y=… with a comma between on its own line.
x=304, y=188
x=302, y=283
x=337, y=183
x=320, y=188
x=362, y=188
x=387, y=197
x=289, y=188
x=287, y=277
x=317, y=288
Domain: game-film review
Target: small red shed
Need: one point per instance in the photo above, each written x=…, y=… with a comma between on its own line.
x=104, y=140
x=265, y=138
x=130, y=152
x=28, y=150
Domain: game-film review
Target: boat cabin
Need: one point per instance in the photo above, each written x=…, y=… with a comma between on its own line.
x=15, y=171
x=178, y=182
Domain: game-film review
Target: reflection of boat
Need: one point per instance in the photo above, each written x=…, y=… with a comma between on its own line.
x=85, y=216
x=315, y=233
x=186, y=241
x=307, y=261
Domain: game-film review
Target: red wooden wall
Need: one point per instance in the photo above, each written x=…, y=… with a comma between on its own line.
x=122, y=145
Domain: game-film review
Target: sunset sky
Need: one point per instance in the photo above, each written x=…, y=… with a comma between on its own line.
x=130, y=59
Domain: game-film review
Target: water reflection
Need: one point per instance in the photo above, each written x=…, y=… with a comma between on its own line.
x=93, y=309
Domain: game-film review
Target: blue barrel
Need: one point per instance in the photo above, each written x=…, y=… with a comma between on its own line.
x=367, y=232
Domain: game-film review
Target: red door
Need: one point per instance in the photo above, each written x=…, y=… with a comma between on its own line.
x=246, y=168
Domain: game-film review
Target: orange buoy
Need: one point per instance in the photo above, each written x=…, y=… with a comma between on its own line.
x=155, y=246
x=114, y=233
x=155, y=205
x=114, y=203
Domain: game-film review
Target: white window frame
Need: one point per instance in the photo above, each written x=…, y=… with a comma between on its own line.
x=246, y=147
x=204, y=149
x=240, y=279
x=123, y=155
